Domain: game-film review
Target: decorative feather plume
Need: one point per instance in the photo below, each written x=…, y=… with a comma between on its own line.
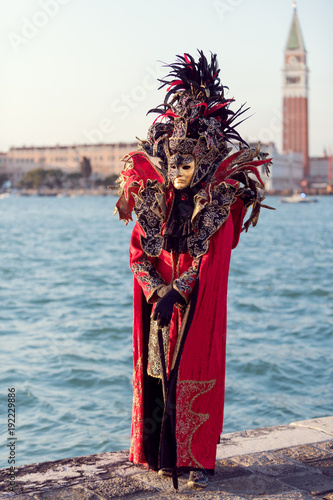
x=201, y=81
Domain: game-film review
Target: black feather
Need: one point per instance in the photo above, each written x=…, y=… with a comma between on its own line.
x=200, y=80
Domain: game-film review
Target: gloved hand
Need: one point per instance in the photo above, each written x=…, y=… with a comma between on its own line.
x=164, y=307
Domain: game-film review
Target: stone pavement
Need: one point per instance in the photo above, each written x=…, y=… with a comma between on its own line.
x=292, y=462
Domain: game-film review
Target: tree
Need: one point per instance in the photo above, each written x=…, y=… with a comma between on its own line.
x=38, y=177
x=85, y=167
x=54, y=178
x=33, y=178
x=72, y=179
x=3, y=179
x=110, y=180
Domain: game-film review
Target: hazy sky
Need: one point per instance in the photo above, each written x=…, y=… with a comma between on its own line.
x=82, y=71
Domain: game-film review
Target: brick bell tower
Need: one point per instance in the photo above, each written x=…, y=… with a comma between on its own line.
x=295, y=95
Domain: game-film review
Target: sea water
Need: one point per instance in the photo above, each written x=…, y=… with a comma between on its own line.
x=66, y=323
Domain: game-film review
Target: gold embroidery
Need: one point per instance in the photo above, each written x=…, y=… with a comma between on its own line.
x=150, y=216
x=147, y=275
x=136, y=448
x=209, y=216
x=187, y=420
x=154, y=359
x=184, y=284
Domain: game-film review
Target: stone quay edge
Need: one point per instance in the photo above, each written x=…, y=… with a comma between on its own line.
x=292, y=462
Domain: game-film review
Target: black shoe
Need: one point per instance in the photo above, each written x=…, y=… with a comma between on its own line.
x=197, y=479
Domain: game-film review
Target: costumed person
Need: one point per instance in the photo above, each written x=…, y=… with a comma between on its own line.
x=190, y=193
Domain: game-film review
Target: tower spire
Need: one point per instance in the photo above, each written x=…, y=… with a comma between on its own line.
x=295, y=94
x=295, y=39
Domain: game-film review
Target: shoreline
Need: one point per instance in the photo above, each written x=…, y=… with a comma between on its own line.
x=62, y=193
x=113, y=190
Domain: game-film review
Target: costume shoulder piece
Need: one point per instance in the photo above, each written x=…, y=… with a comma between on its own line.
x=134, y=178
x=194, y=124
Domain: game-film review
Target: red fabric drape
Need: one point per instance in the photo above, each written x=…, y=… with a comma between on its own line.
x=200, y=381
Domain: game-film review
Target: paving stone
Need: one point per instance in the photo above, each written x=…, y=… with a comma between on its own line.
x=97, y=461
x=269, y=463
x=325, y=466
x=161, y=497
x=118, y=487
x=7, y=496
x=77, y=493
x=315, y=483
x=312, y=457
x=326, y=445
x=195, y=495
x=162, y=483
x=305, y=454
x=254, y=485
x=165, y=486
x=66, y=472
x=291, y=495
x=228, y=468
x=26, y=487
x=128, y=469
x=209, y=493
x=213, y=495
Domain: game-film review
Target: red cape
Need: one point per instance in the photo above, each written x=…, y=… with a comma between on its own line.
x=183, y=430
x=193, y=416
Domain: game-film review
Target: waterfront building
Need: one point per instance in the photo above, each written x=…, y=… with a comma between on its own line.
x=287, y=170
x=295, y=95
x=105, y=159
x=321, y=170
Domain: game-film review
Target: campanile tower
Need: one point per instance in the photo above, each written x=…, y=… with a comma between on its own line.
x=295, y=95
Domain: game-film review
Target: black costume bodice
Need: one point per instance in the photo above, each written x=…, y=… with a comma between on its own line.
x=178, y=227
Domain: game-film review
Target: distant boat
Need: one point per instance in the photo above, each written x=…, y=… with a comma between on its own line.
x=298, y=198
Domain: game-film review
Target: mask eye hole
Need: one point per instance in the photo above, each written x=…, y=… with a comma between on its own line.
x=186, y=167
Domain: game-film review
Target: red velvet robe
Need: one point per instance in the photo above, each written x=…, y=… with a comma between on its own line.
x=182, y=431
x=199, y=384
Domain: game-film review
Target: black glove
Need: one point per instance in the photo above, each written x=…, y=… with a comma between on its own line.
x=164, y=307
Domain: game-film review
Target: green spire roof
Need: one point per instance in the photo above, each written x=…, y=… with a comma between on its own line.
x=295, y=40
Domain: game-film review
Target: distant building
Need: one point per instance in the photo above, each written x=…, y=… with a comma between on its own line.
x=321, y=170
x=295, y=96
x=105, y=159
x=287, y=170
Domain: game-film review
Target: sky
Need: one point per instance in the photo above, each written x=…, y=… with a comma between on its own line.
x=85, y=71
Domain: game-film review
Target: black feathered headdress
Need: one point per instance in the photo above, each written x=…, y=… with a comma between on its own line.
x=194, y=118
